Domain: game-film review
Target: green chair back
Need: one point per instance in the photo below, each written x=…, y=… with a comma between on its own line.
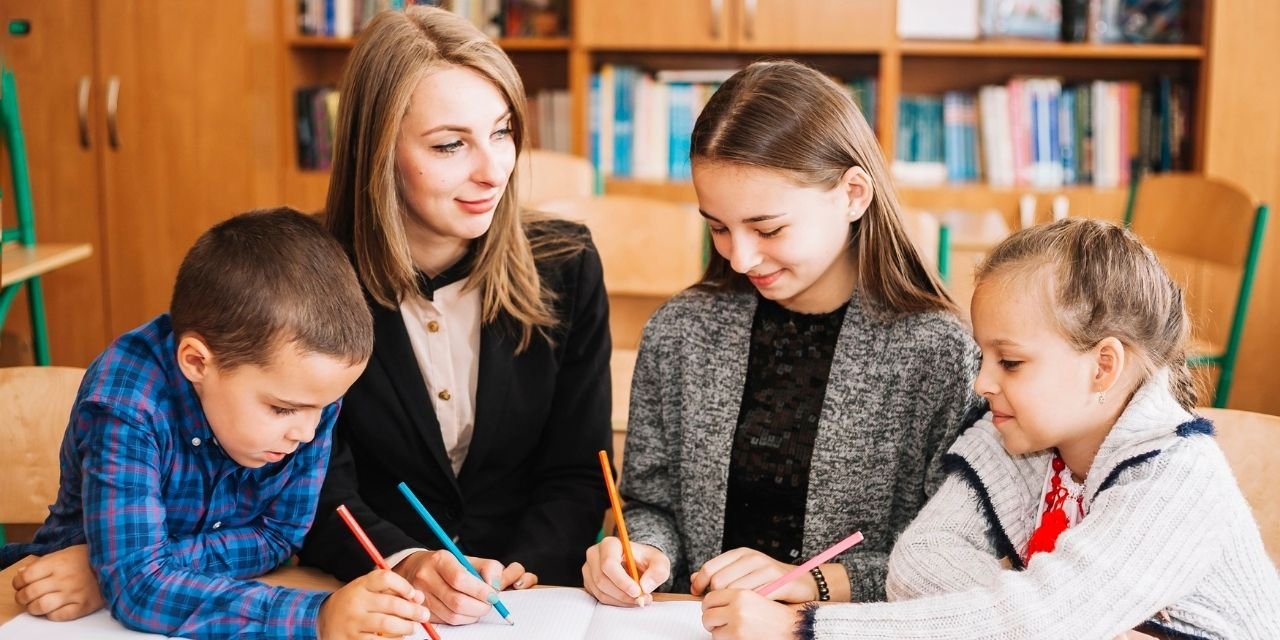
x=1209, y=220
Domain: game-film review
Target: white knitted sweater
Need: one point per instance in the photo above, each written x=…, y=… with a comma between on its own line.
x=1168, y=544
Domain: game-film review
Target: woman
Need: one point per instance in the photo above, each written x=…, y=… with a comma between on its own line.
x=488, y=389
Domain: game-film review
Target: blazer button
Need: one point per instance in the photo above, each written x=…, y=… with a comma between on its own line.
x=444, y=395
x=433, y=326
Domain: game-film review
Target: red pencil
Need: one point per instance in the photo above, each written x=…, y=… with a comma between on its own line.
x=373, y=553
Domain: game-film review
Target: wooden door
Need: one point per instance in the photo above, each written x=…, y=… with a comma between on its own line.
x=813, y=26
x=655, y=24
x=52, y=64
x=194, y=138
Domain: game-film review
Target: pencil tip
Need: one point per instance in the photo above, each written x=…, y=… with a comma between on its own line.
x=510, y=621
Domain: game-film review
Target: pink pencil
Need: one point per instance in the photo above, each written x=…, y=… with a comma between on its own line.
x=835, y=550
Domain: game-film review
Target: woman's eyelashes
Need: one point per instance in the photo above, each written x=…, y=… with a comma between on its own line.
x=451, y=147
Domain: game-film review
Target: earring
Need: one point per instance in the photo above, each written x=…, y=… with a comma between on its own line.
x=1102, y=397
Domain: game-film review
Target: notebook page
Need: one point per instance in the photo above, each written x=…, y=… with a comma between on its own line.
x=540, y=614
x=99, y=626
x=679, y=620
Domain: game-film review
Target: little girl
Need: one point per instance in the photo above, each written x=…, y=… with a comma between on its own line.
x=1090, y=501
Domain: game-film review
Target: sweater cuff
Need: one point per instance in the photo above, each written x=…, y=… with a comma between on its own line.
x=808, y=617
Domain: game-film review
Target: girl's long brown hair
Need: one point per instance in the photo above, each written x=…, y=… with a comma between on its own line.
x=365, y=209
x=788, y=117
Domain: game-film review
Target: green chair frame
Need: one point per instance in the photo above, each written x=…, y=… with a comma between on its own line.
x=1226, y=360
x=25, y=233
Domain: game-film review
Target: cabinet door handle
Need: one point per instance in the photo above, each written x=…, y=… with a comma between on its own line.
x=717, y=16
x=113, y=103
x=749, y=25
x=82, y=110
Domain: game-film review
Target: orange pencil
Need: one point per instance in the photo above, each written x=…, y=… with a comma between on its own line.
x=373, y=553
x=617, y=517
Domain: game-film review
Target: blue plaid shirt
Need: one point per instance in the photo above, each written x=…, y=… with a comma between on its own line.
x=174, y=525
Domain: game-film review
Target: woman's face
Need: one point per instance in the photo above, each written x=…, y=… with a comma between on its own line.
x=454, y=155
x=790, y=240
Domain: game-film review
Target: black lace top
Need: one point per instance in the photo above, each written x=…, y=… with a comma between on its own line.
x=787, y=372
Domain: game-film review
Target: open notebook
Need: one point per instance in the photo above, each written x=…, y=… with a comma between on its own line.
x=553, y=614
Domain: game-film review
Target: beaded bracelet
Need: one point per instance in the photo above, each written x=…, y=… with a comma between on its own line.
x=824, y=594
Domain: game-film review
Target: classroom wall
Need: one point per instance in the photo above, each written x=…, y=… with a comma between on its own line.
x=1243, y=88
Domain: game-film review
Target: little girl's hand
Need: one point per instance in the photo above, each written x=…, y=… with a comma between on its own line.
x=737, y=614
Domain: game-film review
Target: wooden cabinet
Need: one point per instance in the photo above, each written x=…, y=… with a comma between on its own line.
x=813, y=26
x=61, y=111
x=180, y=132
x=745, y=25
x=656, y=24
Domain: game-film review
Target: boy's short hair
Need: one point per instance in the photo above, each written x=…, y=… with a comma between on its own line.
x=267, y=278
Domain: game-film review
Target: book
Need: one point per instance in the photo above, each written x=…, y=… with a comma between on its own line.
x=544, y=613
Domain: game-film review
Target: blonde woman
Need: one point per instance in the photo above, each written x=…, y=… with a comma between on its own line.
x=488, y=390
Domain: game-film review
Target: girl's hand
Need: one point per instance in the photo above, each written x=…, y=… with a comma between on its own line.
x=738, y=614
x=744, y=568
x=605, y=575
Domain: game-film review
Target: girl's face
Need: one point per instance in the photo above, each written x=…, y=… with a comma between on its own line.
x=1042, y=391
x=454, y=156
x=790, y=240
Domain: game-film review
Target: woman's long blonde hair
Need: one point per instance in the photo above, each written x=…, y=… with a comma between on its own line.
x=365, y=209
x=785, y=116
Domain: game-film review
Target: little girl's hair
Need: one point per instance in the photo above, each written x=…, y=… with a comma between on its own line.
x=1106, y=283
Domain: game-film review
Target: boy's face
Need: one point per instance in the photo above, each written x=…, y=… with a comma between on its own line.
x=260, y=414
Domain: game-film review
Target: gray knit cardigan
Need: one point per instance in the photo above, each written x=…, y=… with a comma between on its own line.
x=898, y=391
x=1168, y=545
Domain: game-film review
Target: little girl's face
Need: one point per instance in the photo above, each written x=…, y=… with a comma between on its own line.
x=1041, y=389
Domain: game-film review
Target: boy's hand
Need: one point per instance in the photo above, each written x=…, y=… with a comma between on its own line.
x=605, y=575
x=60, y=585
x=737, y=614
x=378, y=603
x=454, y=595
x=744, y=568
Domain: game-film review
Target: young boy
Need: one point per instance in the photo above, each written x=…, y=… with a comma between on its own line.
x=198, y=443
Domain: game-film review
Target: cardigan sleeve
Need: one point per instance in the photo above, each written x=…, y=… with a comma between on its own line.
x=1149, y=540
x=948, y=404
x=945, y=549
x=650, y=480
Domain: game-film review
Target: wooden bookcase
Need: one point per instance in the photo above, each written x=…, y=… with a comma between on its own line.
x=1234, y=127
x=843, y=37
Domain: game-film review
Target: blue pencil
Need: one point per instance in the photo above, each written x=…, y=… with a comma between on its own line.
x=448, y=543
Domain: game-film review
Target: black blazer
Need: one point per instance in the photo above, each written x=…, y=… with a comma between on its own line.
x=530, y=489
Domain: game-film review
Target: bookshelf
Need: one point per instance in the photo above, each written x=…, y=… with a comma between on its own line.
x=1233, y=126
x=847, y=38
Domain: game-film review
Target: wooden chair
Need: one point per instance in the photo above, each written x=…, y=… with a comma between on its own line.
x=1207, y=232
x=37, y=404
x=22, y=261
x=650, y=250
x=549, y=175
x=1249, y=441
